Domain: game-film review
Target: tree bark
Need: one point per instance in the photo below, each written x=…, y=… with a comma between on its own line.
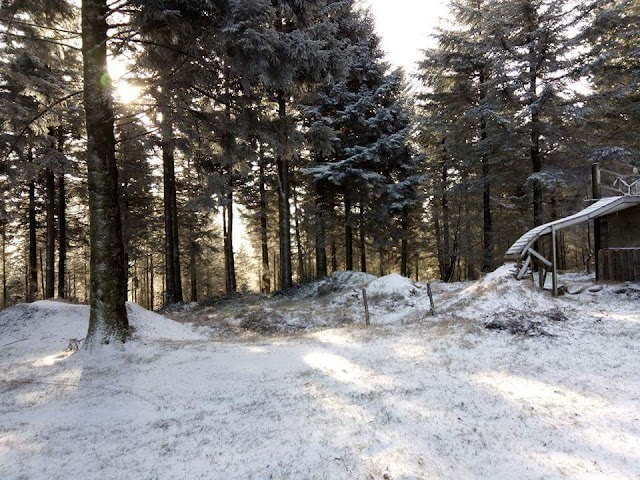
x=404, y=246
x=108, y=315
x=296, y=226
x=230, y=265
x=3, y=233
x=446, y=236
x=264, y=239
x=172, y=247
x=334, y=255
x=348, y=232
x=151, y=283
x=62, y=236
x=51, y=234
x=193, y=268
x=320, y=237
x=62, y=224
x=32, y=290
x=363, y=241
x=284, y=213
x=487, y=224
x=536, y=158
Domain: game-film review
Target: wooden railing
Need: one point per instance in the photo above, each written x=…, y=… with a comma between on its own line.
x=614, y=183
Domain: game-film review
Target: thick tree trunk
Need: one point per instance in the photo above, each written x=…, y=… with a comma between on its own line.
x=108, y=316
x=447, y=273
x=172, y=247
x=62, y=224
x=62, y=236
x=296, y=226
x=320, y=237
x=230, y=264
x=487, y=224
x=363, y=241
x=42, y=277
x=264, y=239
x=51, y=235
x=32, y=290
x=404, y=244
x=151, y=283
x=334, y=255
x=348, y=232
x=193, y=269
x=284, y=213
x=536, y=158
x=3, y=234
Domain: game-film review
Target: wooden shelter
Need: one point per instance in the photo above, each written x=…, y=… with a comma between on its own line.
x=616, y=224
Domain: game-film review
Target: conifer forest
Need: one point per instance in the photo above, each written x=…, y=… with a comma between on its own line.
x=170, y=151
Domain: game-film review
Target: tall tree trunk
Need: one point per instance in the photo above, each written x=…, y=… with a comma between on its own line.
x=62, y=236
x=334, y=255
x=348, y=232
x=264, y=239
x=320, y=237
x=62, y=223
x=151, y=285
x=487, y=226
x=363, y=241
x=42, y=277
x=439, y=243
x=108, y=316
x=446, y=235
x=296, y=226
x=284, y=213
x=193, y=268
x=32, y=290
x=381, y=266
x=3, y=233
x=172, y=247
x=404, y=246
x=230, y=264
x=536, y=158
x=51, y=234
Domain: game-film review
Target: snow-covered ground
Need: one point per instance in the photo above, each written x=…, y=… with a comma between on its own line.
x=296, y=387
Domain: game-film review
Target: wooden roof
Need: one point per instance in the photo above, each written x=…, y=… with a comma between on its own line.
x=602, y=207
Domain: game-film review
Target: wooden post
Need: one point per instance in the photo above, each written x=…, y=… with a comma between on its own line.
x=554, y=256
x=433, y=308
x=596, y=181
x=366, y=306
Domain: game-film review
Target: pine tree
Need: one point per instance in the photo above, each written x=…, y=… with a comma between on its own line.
x=108, y=316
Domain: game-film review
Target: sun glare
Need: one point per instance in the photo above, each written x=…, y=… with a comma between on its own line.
x=124, y=92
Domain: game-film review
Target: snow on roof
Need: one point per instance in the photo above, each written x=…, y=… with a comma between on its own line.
x=602, y=207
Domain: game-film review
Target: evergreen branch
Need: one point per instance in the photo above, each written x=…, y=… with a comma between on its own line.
x=10, y=21
x=39, y=115
x=41, y=39
x=143, y=134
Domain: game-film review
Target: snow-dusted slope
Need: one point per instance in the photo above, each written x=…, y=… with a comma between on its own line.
x=437, y=398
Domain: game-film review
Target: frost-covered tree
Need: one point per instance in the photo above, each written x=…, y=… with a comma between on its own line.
x=108, y=316
x=612, y=66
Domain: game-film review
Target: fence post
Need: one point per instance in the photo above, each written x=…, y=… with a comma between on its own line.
x=366, y=306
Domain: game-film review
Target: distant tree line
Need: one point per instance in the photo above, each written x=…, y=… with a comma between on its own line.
x=285, y=112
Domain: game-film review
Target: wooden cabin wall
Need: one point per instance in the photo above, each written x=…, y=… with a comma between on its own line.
x=619, y=257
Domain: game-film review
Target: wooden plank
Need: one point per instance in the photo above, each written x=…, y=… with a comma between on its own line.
x=524, y=268
x=546, y=262
x=554, y=255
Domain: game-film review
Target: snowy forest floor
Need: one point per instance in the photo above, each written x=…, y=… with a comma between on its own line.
x=296, y=387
